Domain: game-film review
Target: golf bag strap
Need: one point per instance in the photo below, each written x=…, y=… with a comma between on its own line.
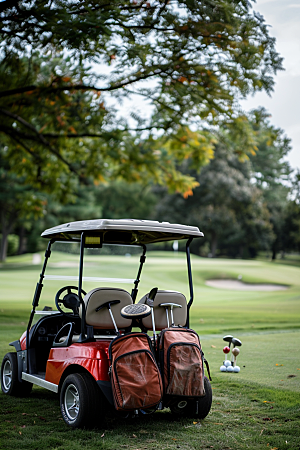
x=207, y=368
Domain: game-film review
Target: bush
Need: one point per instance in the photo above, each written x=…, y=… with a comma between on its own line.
x=13, y=244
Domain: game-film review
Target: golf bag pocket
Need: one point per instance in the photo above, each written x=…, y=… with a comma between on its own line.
x=181, y=361
x=135, y=377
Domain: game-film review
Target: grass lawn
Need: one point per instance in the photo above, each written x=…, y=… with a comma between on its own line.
x=258, y=408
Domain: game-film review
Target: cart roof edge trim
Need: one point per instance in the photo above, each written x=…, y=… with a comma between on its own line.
x=124, y=231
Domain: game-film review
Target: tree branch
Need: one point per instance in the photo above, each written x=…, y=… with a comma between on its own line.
x=154, y=99
x=76, y=87
x=71, y=135
x=20, y=90
x=22, y=144
x=8, y=4
x=41, y=139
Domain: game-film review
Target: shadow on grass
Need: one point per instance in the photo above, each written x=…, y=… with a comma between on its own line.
x=27, y=267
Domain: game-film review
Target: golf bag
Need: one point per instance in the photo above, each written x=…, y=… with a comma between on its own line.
x=181, y=362
x=135, y=377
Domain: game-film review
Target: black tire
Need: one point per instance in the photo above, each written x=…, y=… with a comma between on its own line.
x=10, y=383
x=190, y=408
x=81, y=401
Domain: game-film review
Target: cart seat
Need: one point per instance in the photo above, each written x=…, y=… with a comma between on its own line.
x=100, y=318
x=160, y=317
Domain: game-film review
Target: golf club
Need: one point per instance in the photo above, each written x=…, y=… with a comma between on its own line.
x=150, y=302
x=108, y=306
x=236, y=343
x=171, y=305
x=226, y=350
x=235, y=352
x=228, y=338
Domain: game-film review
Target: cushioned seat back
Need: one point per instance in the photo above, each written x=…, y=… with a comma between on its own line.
x=101, y=319
x=160, y=318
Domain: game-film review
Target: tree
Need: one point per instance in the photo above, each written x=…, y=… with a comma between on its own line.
x=114, y=200
x=291, y=225
x=120, y=199
x=17, y=201
x=226, y=205
x=272, y=172
x=243, y=203
x=189, y=60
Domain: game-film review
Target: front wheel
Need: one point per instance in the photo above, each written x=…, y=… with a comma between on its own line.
x=194, y=408
x=81, y=401
x=10, y=383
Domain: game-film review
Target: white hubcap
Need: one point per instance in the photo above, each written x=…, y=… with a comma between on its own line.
x=182, y=404
x=72, y=403
x=7, y=375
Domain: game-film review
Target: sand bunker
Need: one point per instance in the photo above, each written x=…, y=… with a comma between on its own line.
x=241, y=286
x=69, y=264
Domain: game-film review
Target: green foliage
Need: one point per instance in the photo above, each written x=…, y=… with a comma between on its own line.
x=114, y=200
x=270, y=168
x=272, y=175
x=241, y=202
x=228, y=206
x=12, y=244
x=67, y=66
x=119, y=200
x=69, y=71
x=19, y=201
x=291, y=227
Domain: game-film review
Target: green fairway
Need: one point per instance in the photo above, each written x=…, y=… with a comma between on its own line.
x=255, y=408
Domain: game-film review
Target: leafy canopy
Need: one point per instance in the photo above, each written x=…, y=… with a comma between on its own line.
x=243, y=206
x=67, y=66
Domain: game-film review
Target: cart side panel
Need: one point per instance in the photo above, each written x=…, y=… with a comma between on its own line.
x=23, y=341
x=92, y=356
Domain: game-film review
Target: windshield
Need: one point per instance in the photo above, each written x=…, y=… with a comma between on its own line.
x=109, y=266
x=113, y=266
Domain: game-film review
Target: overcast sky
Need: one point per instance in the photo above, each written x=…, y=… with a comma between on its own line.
x=284, y=104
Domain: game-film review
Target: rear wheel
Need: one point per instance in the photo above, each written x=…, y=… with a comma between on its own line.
x=10, y=383
x=81, y=401
x=194, y=408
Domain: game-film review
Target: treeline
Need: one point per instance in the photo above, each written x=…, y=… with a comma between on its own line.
x=187, y=154
x=242, y=204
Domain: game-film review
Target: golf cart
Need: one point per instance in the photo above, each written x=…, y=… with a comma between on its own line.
x=104, y=349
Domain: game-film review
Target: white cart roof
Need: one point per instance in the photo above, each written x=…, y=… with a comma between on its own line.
x=122, y=231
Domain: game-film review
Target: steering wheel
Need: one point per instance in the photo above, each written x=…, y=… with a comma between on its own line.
x=70, y=301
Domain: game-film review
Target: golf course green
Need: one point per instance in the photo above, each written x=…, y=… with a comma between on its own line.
x=267, y=323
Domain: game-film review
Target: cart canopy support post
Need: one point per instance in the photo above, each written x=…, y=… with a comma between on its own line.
x=36, y=297
x=82, y=334
x=189, y=267
x=136, y=283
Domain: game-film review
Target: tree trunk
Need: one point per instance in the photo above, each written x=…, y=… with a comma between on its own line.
x=22, y=241
x=3, y=246
x=274, y=250
x=7, y=226
x=214, y=244
x=241, y=251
